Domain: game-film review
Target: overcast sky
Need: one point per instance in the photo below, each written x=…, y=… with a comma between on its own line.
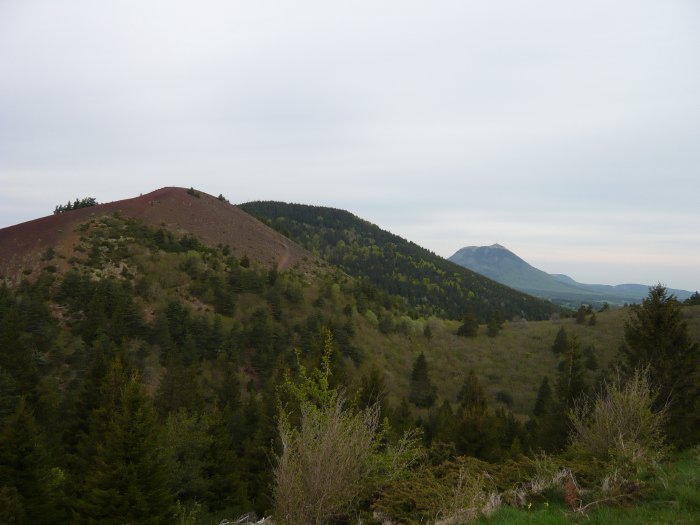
x=567, y=131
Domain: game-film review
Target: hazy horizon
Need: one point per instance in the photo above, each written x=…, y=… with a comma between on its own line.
x=568, y=134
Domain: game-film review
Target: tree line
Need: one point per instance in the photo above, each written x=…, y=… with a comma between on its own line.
x=85, y=202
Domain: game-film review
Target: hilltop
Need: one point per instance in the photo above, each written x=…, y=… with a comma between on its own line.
x=212, y=220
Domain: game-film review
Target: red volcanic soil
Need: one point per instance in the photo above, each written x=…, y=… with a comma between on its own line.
x=206, y=217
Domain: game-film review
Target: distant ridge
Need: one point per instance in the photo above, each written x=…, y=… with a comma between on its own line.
x=179, y=210
x=502, y=265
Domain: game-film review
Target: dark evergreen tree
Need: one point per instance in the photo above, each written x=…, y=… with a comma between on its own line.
x=693, y=299
x=544, y=397
x=401, y=418
x=422, y=391
x=26, y=471
x=469, y=326
x=472, y=393
x=126, y=479
x=572, y=380
x=373, y=390
x=442, y=425
x=494, y=325
x=656, y=335
x=561, y=342
x=178, y=389
x=476, y=429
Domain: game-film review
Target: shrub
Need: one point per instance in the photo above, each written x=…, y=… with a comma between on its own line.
x=451, y=493
x=335, y=456
x=621, y=426
x=323, y=464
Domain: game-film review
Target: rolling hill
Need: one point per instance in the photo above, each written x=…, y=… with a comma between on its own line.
x=505, y=267
x=213, y=221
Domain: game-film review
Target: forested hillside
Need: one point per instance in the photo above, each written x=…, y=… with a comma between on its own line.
x=430, y=284
x=155, y=346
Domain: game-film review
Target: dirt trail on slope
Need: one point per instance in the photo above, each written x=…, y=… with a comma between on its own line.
x=283, y=263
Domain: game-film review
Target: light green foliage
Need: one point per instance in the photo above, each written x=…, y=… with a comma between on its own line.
x=621, y=426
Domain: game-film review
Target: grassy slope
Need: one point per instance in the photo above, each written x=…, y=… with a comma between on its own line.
x=515, y=361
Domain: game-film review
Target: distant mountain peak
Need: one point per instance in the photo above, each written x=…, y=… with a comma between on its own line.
x=505, y=267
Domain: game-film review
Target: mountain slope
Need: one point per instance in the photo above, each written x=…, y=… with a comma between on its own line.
x=181, y=211
x=504, y=266
x=429, y=284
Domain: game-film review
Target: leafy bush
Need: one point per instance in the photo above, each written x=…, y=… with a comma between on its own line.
x=621, y=426
x=335, y=456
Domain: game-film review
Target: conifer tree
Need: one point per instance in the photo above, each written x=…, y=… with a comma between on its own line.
x=25, y=471
x=442, y=425
x=469, y=326
x=477, y=430
x=422, y=391
x=544, y=397
x=656, y=335
x=373, y=390
x=126, y=479
x=471, y=395
x=572, y=381
x=561, y=342
x=493, y=327
x=581, y=315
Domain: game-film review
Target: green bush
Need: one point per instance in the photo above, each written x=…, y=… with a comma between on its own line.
x=621, y=426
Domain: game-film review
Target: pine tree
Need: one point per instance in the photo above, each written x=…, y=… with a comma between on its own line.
x=373, y=390
x=493, y=327
x=544, y=397
x=561, y=342
x=572, y=379
x=469, y=326
x=476, y=429
x=126, y=479
x=656, y=335
x=26, y=472
x=422, y=391
x=472, y=394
